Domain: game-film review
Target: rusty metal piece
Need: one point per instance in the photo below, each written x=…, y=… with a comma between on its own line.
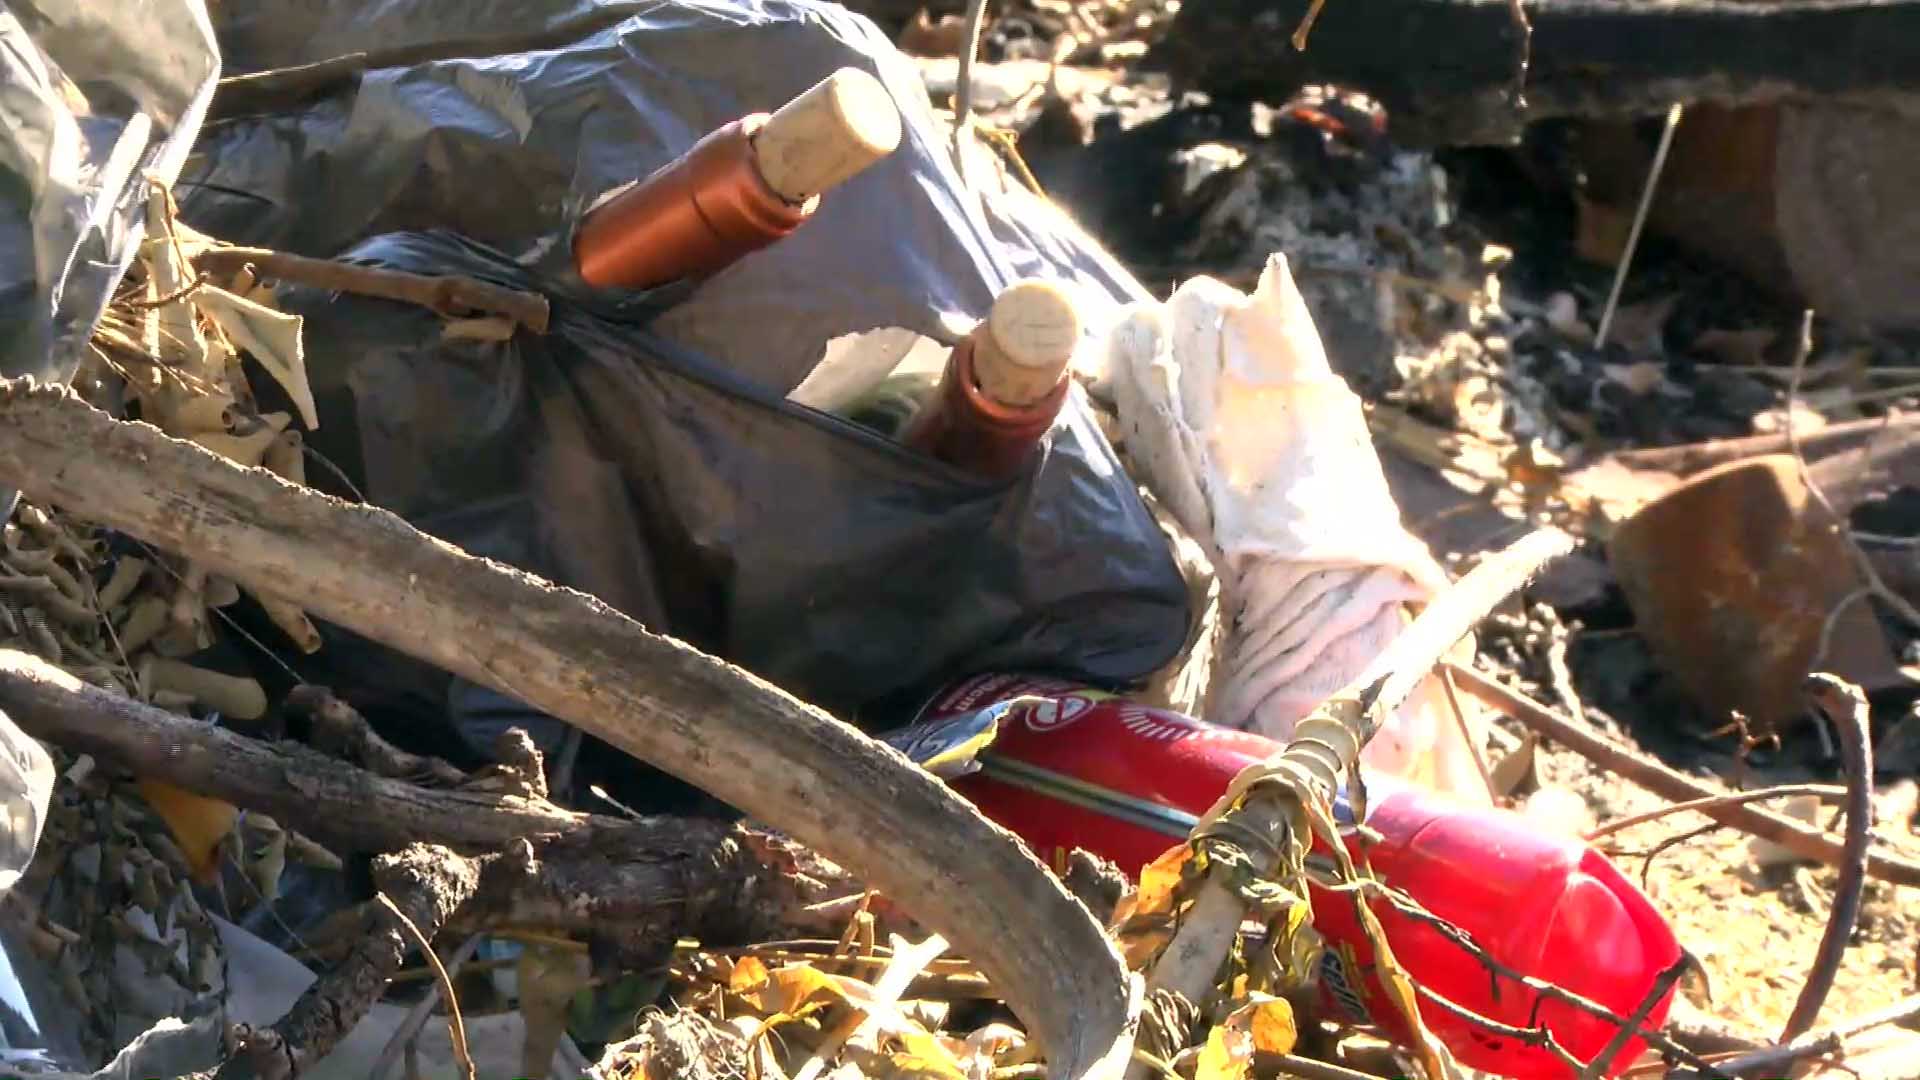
x=701, y=212
x=1734, y=577
x=1813, y=201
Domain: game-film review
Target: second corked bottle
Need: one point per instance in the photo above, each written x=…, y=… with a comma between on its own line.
x=1003, y=385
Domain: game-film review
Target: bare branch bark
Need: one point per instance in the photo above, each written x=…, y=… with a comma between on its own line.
x=635, y=886
x=425, y=883
x=737, y=736
x=1846, y=706
x=345, y=808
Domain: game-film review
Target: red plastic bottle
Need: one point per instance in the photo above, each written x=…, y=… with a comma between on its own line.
x=1091, y=770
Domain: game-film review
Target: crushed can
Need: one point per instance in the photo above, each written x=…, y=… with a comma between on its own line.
x=1064, y=766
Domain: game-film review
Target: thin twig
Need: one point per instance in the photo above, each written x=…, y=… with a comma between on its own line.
x=1664, y=846
x=1413, y=909
x=1803, y=840
x=417, y=1016
x=1540, y=1036
x=1305, y=1068
x=1655, y=994
x=963, y=85
x=1782, y=791
x=1305, y=29
x=1780, y=1060
x=181, y=293
x=1639, y=222
x=448, y=295
x=1846, y=706
x=1862, y=563
x=1827, y=629
x=1523, y=49
x=456, y=1025
x=1691, y=458
x=1563, y=679
x=1466, y=733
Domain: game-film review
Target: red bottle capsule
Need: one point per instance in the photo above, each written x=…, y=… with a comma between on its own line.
x=1003, y=386
x=1125, y=781
x=739, y=189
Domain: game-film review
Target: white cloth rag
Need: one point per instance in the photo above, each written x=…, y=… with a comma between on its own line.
x=1239, y=425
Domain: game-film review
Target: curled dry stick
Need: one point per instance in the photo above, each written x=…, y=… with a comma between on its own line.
x=746, y=741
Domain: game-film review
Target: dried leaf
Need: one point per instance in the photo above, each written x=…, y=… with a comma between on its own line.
x=1227, y=1055
x=1516, y=770
x=748, y=975
x=1160, y=880
x=272, y=337
x=794, y=990
x=1271, y=1024
x=916, y=1067
x=198, y=823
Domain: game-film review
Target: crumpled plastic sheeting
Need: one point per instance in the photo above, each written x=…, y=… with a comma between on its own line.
x=507, y=150
x=1229, y=407
x=817, y=554
x=94, y=93
x=26, y=786
x=287, y=33
x=642, y=450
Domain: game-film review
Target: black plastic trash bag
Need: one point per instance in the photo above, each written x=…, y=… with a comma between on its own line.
x=643, y=449
x=815, y=553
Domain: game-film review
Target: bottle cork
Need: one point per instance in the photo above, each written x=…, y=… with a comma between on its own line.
x=1023, y=349
x=822, y=138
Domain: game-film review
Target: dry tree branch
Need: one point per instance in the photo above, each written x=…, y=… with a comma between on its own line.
x=1863, y=565
x=571, y=657
x=1661, y=985
x=425, y=885
x=1737, y=798
x=1304, y=1068
x=1846, y=706
x=1781, y=1060
x=451, y=295
x=1264, y=808
x=1803, y=840
x=1413, y=909
x=456, y=1024
x=416, y=1018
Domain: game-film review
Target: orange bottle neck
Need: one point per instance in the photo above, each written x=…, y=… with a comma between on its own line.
x=964, y=427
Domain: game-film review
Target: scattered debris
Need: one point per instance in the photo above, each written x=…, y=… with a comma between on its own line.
x=1730, y=649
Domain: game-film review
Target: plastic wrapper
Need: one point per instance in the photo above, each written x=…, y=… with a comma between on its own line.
x=26, y=786
x=643, y=450
x=96, y=94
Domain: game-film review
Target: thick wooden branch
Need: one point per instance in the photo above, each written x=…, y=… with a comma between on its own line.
x=346, y=808
x=634, y=885
x=426, y=883
x=739, y=737
x=1444, y=68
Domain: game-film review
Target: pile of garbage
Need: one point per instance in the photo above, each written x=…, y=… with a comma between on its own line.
x=633, y=540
